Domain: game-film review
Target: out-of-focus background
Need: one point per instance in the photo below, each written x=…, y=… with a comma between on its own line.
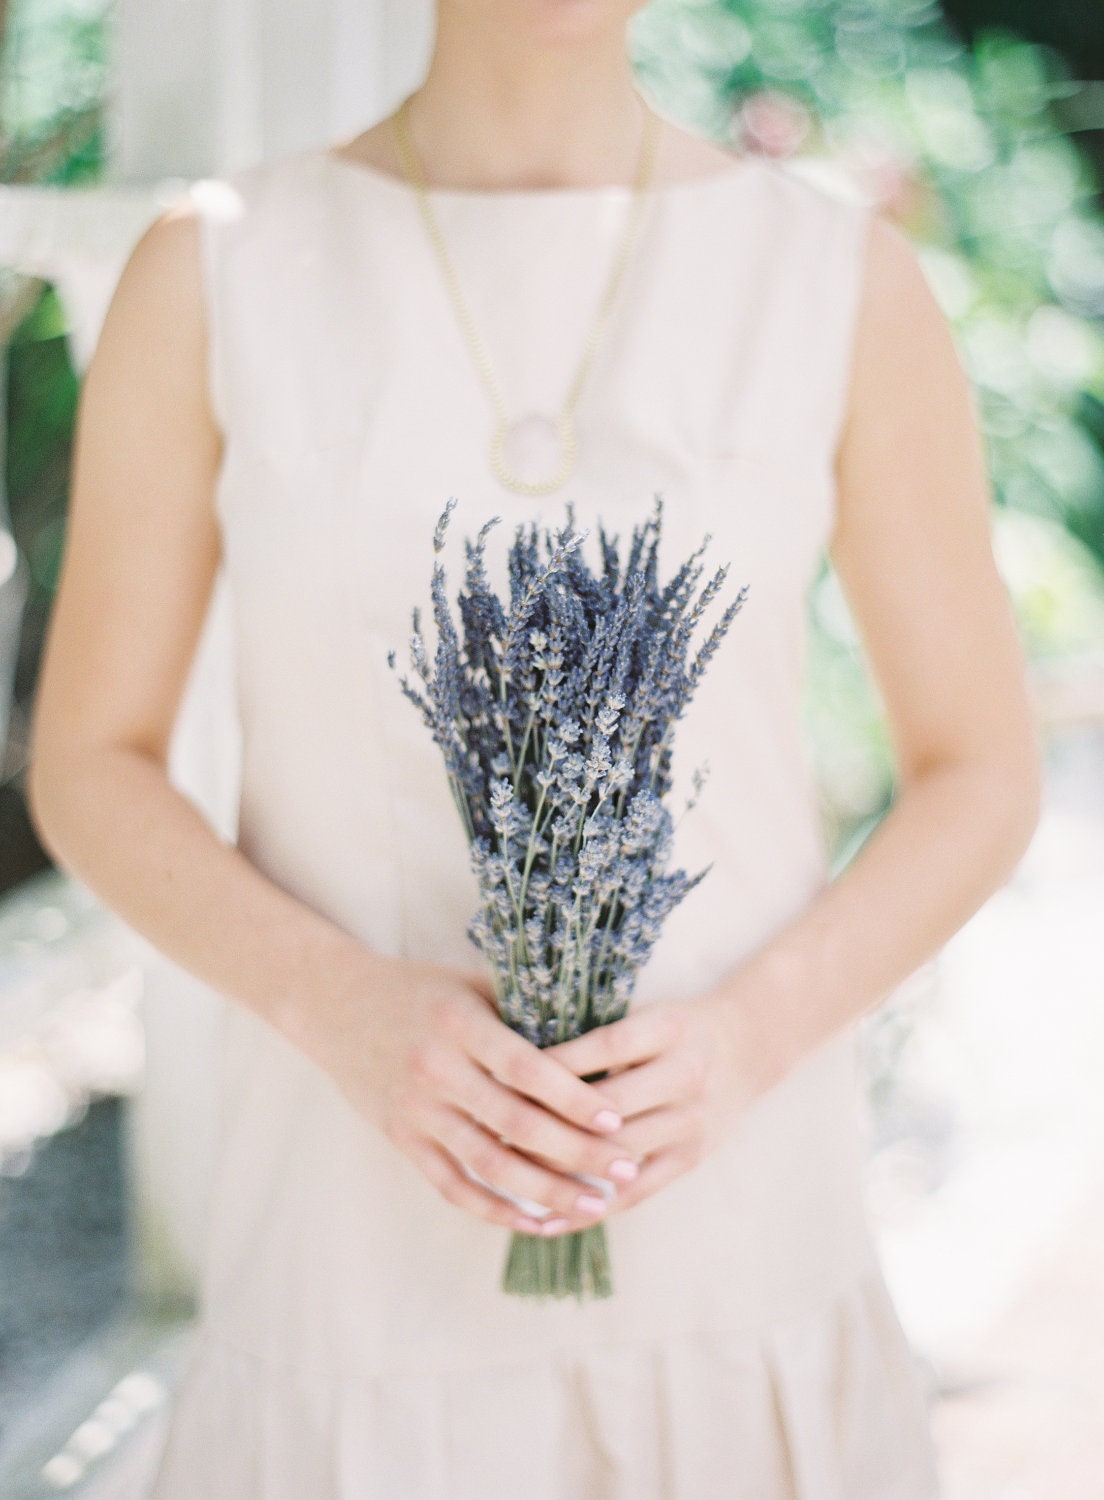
x=979, y=128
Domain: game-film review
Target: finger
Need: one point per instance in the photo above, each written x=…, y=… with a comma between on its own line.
x=656, y=1172
x=507, y=1170
x=620, y=1044
x=658, y=1129
x=533, y=1129
x=666, y=1080
x=445, y=1175
x=530, y=1071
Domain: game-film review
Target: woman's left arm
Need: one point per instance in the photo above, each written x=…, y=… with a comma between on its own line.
x=912, y=549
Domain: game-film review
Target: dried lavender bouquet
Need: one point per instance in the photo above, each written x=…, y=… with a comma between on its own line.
x=555, y=716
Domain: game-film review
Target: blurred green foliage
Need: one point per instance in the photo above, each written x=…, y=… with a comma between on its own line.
x=54, y=80
x=42, y=400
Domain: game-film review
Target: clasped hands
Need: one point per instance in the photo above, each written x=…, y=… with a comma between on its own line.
x=461, y=1093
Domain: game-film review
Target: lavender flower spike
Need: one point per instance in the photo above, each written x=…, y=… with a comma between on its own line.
x=555, y=714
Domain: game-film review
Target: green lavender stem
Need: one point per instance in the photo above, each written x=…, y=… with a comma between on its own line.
x=564, y=1265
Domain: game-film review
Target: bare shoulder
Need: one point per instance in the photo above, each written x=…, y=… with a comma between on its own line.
x=894, y=283
x=683, y=155
x=155, y=325
x=905, y=358
x=164, y=260
x=911, y=451
x=898, y=299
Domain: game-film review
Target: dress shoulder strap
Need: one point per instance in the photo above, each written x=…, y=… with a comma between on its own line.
x=242, y=216
x=809, y=262
x=829, y=249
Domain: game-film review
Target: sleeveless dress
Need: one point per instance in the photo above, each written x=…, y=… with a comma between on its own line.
x=352, y=1341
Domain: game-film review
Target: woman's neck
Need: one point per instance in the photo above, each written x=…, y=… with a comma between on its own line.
x=530, y=104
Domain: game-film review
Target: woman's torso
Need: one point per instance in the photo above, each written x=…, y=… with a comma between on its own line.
x=352, y=411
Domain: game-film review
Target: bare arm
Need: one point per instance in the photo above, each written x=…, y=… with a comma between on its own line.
x=415, y=1046
x=141, y=551
x=912, y=550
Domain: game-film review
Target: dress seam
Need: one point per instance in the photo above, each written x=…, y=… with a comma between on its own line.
x=661, y=1339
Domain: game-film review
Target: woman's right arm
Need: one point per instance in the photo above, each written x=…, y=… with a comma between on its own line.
x=416, y=1047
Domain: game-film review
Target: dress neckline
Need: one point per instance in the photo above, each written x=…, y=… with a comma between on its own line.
x=581, y=192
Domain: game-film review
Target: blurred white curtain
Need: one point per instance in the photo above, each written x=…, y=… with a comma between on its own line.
x=218, y=84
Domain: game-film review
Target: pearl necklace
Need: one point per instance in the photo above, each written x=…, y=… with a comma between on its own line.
x=516, y=441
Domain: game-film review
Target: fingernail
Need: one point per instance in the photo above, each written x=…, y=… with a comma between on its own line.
x=623, y=1170
x=528, y=1226
x=553, y=1226
x=607, y=1119
x=586, y=1203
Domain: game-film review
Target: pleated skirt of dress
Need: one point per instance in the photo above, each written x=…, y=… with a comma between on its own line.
x=826, y=1406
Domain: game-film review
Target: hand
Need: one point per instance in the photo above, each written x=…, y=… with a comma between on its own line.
x=681, y=1073
x=419, y=1049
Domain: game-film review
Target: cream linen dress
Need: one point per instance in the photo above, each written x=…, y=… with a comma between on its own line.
x=353, y=1342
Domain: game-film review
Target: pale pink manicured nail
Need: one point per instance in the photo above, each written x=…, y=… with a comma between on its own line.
x=607, y=1119
x=528, y=1226
x=587, y=1203
x=553, y=1226
x=623, y=1170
